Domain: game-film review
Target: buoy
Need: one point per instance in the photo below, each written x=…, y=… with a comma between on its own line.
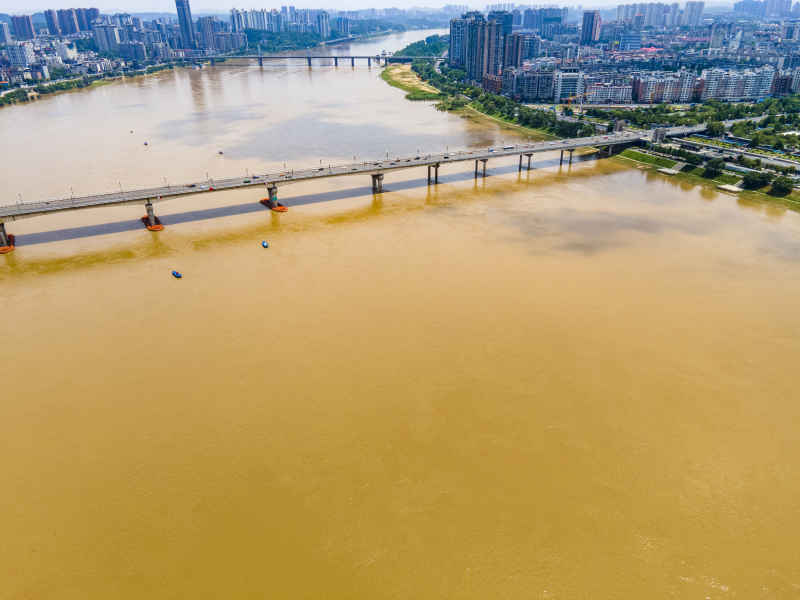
x=220, y=152
x=177, y=275
x=264, y=244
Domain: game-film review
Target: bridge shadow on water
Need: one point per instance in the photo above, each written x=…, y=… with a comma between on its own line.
x=72, y=233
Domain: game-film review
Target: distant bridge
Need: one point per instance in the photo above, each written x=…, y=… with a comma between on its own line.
x=327, y=57
x=374, y=168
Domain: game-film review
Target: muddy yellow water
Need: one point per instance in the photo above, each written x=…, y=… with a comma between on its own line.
x=570, y=383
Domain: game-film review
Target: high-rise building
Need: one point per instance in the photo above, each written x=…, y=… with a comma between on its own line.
x=205, y=26
x=5, y=33
x=106, y=37
x=505, y=18
x=457, y=52
x=514, y=52
x=23, y=27
x=693, y=13
x=21, y=54
x=590, y=32
x=324, y=25
x=51, y=19
x=188, y=37
x=68, y=21
x=475, y=48
x=343, y=25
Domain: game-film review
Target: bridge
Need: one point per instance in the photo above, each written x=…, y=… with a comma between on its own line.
x=310, y=57
x=374, y=168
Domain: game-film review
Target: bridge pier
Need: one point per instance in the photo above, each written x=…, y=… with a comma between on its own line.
x=150, y=220
x=484, y=161
x=308, y=59
x=6, y=240
x=529, y=155
x=561, y=160
x=429, y=174
x=260, y=61
x=570, y=156
x=335, y=61
x=369, y=61
x=377, y=183
x=436, y=173
x=352, y=61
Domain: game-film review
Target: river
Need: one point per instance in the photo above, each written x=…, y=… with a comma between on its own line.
x=573, y=382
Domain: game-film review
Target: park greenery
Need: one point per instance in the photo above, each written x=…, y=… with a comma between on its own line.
x=433, y=45
x=456, y=94
x=707, y=112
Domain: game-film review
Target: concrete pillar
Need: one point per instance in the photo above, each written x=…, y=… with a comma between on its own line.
x=335, y=61
x=519, y=169
x=3, y=235
x=272, y=190
x=429, y=174
x=369, y=61
x=436, y=173
x=377, y=183
x=570, y=156
x=151, y=215
x=308, y=59
x=529, y=161
x=260, y=61
x=484, y=161
x=213, y=61
x=561, y=162
x=476, y=169
x=352, y=61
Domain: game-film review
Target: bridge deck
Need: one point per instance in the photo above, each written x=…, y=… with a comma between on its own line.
x=30, y=209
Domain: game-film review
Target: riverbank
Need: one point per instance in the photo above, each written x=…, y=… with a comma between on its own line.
x=402, y=77
x=26, y=95
x=790, y=201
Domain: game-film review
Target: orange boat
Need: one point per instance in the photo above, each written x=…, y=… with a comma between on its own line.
x=280, y=208
x=157, y=227
x=10, y=247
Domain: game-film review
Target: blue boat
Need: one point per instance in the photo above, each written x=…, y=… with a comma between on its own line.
x=177, y=275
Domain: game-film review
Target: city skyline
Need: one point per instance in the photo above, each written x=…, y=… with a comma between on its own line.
x=168, y=6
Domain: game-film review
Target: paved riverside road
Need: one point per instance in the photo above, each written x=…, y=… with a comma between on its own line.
x=279, y=178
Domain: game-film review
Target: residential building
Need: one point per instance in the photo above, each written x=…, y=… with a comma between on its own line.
x=205, y=28
x=23, y=27
x=68, y=21
x=567, y=84
x=51, y=18
x=21, y=55
x=324, y=25
x=608, y=93
x=107, y=38
x=529, y=85
x=5, y=33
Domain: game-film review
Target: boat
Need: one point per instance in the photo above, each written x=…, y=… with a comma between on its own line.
x=177, y=274
x=264, y=244
x=280, y=207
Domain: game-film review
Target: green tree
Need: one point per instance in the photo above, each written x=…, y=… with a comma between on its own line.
x=715, y=129
x=714, y=168
x=754, y=181
x=781, y=186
